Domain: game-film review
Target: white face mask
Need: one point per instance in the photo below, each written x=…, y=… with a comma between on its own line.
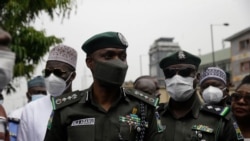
x=212, y=95
x=6, y=67
x=36, y=96
x=180, y=88
x=55, y=85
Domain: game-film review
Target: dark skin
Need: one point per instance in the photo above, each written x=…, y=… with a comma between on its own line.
x=180, y=109
x=215, y=83
x=67, y=71
x=105, y=96
x=147, y=85
x=241, y=110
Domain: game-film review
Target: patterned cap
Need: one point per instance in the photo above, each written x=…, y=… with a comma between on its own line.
x=37, y=81
x=105, y=40
x=64, y=54
x=180, y=57
x=214, y=73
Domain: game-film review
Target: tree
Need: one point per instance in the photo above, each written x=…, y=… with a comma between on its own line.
x=29, y=44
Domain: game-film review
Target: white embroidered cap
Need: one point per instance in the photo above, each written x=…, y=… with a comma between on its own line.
x=65, y=54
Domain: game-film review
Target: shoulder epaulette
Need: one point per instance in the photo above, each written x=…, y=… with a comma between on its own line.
x=147, y=98
x=66, y=99
x=217, y=110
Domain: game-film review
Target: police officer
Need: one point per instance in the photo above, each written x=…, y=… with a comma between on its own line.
x=106, y=111
x=184, y=117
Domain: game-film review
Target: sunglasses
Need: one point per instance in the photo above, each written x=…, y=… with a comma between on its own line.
x=38, y=92
x=56, y=72
x=185, y=72
x=236, y=97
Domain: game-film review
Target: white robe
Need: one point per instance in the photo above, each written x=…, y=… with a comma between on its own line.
x=16, y=113
x=34, y=120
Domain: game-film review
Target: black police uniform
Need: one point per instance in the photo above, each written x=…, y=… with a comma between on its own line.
x=202, y=123
x=77, y=117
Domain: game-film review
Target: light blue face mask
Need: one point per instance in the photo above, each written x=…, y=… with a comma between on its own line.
x=36, y=96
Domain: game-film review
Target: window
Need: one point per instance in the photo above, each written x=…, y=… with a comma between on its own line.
x=244, y=44
x=245, y=66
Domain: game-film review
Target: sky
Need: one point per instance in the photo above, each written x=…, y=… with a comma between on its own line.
x=142, y=22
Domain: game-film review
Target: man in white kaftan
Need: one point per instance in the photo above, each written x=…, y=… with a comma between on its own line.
x=34, y=117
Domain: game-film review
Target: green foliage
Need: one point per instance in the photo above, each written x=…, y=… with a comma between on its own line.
x=29, y=44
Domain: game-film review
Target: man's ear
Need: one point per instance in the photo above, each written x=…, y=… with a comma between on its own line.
x=89, y=61
x=196, y=80
x=73, y=76
x=198, y=76
x=28, y=96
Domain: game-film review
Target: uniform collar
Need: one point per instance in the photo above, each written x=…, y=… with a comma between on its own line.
x=196, y=107
x=87, y=95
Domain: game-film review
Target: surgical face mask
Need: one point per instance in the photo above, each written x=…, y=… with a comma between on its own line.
x=36, y=96
x=1, y=102
x=180, y=88
x=110, y=73
x=212, y=95
x=55, y=85
x=6, y=67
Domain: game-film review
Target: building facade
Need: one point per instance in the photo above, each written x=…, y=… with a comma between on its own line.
x=161, y=48
x=222, y=60
x=240, y=59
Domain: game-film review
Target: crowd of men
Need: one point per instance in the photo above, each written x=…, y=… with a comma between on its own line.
x=107, y=111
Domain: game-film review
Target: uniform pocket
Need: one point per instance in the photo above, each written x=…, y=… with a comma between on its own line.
x=124, y=132
x=127, y=132
x=81, y=132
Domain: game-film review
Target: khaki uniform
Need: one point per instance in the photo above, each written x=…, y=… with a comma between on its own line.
x=80, y=118
x=202, y=123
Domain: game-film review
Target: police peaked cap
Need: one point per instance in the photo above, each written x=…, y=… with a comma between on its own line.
x=180, y=57
x=105, y=40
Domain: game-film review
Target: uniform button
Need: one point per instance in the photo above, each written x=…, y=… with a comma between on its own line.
x=199, y=135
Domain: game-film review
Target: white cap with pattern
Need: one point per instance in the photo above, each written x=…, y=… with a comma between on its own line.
x=64, y=54
x=215, y=73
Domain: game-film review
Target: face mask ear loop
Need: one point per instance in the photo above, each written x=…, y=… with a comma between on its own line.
x=225, y=96
x=224, y=89
x=69, y=82
x=69, y=76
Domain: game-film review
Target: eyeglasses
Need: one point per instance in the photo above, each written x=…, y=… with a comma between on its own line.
x=237, y=97
x=185, y=72
x=57, y=72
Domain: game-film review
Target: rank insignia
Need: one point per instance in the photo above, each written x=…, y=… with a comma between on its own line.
x=50, y=120
x=132, y=120
x=237, y=130
x=123, y=39
x=181, y=55
x=134, y=111
x=159, y=125
x=203, y=128
x=218, y=110
x=66, y=99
